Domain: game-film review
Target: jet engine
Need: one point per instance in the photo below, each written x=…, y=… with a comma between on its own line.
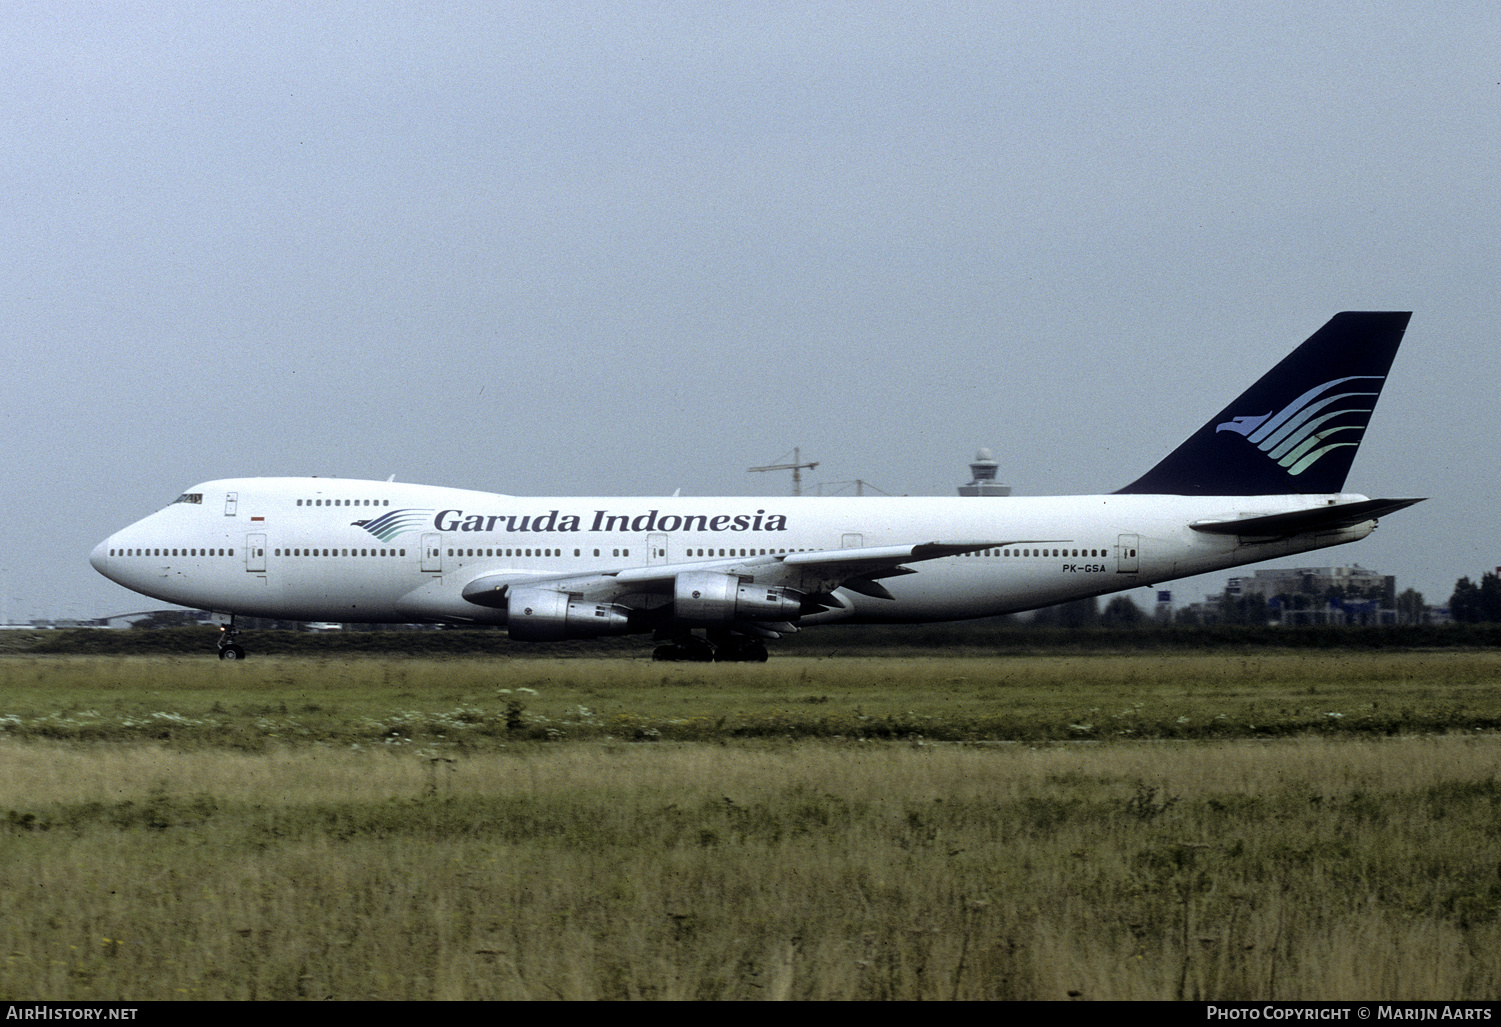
x=545, y=615
x=706, y=598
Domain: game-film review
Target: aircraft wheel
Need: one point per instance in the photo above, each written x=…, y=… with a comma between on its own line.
x=667, y=653
x=231, y=652
x=754, y=652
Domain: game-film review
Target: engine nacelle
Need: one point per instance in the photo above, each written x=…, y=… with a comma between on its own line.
x=708, y=598
x=546, y=615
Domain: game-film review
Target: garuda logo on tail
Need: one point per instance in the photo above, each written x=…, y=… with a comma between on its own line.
x=1305, y=446
x=1295, y=436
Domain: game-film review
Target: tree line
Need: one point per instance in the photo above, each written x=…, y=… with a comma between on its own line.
x=1476, y=604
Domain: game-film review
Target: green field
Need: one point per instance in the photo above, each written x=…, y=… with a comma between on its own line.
x=480, y=704
x=1252, y=825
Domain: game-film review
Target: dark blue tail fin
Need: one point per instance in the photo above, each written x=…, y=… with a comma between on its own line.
x=1297, y=429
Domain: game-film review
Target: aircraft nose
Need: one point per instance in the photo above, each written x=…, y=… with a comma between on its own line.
x=99, y=558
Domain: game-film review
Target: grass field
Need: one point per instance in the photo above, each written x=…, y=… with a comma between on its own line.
x=1278, y=825
x=483, y=703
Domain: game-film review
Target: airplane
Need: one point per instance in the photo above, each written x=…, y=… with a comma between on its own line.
x=716, y=578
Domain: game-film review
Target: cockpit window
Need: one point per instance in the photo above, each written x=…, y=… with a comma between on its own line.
x=189, y=497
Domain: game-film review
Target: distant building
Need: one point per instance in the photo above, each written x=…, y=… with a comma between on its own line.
x=1354, y=580
x=1302, y=595
x=982, y=478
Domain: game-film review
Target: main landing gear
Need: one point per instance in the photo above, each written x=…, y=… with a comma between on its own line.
x=228, y=650
x=719, y=648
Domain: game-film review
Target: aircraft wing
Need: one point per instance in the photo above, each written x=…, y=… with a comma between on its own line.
x=1303, y=522
x=816, y=571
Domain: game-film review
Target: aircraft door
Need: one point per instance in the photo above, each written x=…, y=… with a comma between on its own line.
x=656, y=550
x=255, y=554
x=432, y=553
x=231, y=501
x=1127, y=562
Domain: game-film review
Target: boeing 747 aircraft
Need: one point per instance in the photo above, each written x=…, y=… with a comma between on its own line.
x=714, y=578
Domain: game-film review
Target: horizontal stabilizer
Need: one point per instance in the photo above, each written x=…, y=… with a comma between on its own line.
x=1304, y=522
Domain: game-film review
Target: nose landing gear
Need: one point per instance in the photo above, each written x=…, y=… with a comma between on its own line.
x=228, y=650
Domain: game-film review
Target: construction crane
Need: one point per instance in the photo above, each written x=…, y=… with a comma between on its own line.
x=839, y=487
x=796, y=467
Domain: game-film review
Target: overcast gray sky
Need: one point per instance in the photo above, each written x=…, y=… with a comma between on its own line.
x=628, y=248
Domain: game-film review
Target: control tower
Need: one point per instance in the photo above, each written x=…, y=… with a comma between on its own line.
x=982, y=478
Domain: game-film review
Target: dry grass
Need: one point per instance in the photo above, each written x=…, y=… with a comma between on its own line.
x=1257, y=826
x=1308, y=868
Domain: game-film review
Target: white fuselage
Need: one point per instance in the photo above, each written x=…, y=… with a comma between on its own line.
x=290, y=548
